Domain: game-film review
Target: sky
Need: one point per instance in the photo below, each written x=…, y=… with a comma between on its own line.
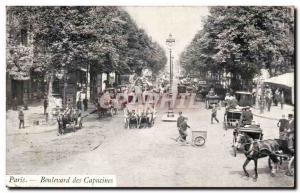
x=158, y=22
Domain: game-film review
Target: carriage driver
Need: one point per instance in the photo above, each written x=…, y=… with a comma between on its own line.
x=247, y=117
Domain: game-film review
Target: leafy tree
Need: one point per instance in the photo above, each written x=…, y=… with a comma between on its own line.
x=241, y=41
x=69, y=37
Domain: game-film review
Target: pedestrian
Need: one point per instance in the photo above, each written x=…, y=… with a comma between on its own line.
x=281, y=100
x=282, y=124
x=290, y=132
x=276, y=97
x=268, y=96
x=214, y=114
x=180, y=119
x=60, y=123
x=85, y=103
x=14, y=103
x=227, y=99
x=261, y=104
x=79, y=103
x=46, y=117
x=21, y=119
x=45, y=105
x=183, y=130
x=25, y=104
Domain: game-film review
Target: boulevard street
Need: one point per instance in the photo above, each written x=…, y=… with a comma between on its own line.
x=144, y=157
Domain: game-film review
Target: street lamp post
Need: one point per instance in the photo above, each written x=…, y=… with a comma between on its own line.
x=170, y=116
x=170, y=42
x=172, y=68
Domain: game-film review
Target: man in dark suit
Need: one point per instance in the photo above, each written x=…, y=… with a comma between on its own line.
x=180, y=119
x=283, y=125
x=290, y=132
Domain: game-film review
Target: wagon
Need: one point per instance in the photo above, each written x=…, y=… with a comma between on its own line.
x=190, y=90
x=66, y=125
x=232, y=118
x=211, y=100
x=199, y=137
x=140, y=119
x=244, y=98
x=285, y=157
x=244, y=136
x=182, y=89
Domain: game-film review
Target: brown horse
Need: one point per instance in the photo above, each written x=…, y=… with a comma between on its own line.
x=256, y=149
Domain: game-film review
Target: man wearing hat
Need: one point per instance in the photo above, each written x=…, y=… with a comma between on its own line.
x=290, y=132
x=268, y=97
x=283, y=125
x=180, y=119
x=247, y=116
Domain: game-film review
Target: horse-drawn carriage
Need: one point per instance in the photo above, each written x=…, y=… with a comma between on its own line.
x=71, y=120
x=245, y=136
x=212, y=100
x=244, y=98
x=232, y=118
x=285, y=157
x=182, y=89
x=139, y=116
x=107, y=104
x=249, y=140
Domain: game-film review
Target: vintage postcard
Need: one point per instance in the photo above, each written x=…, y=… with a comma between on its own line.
x=113, y=96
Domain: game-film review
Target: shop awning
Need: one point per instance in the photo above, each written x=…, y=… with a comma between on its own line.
x=284, y=80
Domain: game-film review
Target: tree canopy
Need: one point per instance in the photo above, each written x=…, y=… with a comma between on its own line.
x=69, y=37
x=241, y=41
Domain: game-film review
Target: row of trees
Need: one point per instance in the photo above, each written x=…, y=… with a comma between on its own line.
x=69, y=37
x=242, y=40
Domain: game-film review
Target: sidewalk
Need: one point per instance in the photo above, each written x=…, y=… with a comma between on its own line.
x=34, y=113
x=275, y=113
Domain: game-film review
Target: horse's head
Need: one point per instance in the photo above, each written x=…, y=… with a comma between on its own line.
x=241, y=140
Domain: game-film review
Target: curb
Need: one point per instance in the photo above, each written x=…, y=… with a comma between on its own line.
x=265, y=117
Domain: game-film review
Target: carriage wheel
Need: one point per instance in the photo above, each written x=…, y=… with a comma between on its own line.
x=291, y=166
x=199, y=141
